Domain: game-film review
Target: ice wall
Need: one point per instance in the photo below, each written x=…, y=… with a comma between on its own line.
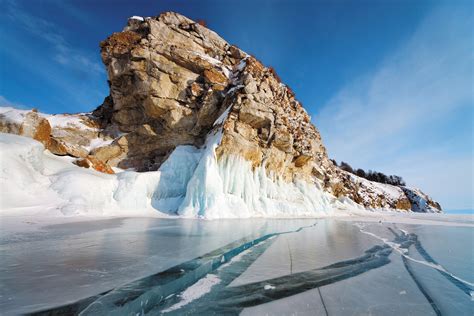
x=191, y=183
x=229, y=188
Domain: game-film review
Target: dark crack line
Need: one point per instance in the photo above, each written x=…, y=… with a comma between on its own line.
x=413, y=239
x=322, y=301
x=463, y=287
x=420, y=287
x=232, y=300
x=422, y=251
x=291, y=257
x=156, y=288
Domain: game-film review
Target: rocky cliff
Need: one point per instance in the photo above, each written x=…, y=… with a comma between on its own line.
x=175, y=83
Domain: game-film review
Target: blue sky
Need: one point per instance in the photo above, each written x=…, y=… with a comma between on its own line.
x=388, y=83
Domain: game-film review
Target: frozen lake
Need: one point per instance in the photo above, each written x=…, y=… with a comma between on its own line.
x=389, y=266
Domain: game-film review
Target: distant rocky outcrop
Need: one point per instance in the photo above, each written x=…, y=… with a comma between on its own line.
x=173, y=81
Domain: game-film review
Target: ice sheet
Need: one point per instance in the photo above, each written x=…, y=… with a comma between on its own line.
x=292, y=253
x=253, y=266
x=77, y=260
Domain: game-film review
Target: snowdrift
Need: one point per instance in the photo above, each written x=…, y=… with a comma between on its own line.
x=191, y=183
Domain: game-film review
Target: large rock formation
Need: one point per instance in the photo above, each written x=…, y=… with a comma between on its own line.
x=174, y=82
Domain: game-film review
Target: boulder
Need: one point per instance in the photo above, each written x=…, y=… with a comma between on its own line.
x=94, y=163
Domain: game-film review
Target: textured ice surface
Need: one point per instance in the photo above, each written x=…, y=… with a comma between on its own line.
x=294, y=253
x=253, y=267
x=76, y=260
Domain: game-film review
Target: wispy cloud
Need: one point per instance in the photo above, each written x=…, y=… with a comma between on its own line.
x=5, y=102
x=386, y=118
x=65, y=53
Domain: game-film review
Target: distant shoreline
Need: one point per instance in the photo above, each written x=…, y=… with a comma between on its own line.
x=459, y=212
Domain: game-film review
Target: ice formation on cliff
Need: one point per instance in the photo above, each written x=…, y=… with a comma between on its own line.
x=191, y=183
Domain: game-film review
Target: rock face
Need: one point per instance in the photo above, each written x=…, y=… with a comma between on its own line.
x=62, y=134
x=172, y=82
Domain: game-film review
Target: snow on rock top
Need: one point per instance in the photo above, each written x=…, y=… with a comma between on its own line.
x=139, y=18
x=67, y=121
x=13, y=115
x=184, y=104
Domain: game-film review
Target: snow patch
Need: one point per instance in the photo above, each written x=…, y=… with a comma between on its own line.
x=98, y=142
x=222, y=117
x=67, y=121
x=139, y=18
x=195, y=291
x=13, y=115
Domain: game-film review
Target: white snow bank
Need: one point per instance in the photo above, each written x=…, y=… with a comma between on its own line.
x=191, y=183
x=21, y=181
x=12, y=115
x=32, y=179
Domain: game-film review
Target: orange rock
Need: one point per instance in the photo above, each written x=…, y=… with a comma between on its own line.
x=403, y=204
x=92, y=162
x=301, y=160
x=56, y=147
x=215, y=77
x=43, y=132
x=254, y=66
x=120, y=43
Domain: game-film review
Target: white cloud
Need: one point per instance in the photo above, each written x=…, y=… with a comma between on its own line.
x=66, y=54
x=384, y=120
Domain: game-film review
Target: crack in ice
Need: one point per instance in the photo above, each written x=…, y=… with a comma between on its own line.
x=403, y=252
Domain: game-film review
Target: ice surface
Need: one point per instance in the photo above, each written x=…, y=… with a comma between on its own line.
x=306, y=303
x=366, y=277
x=421, y=288
x=77, y=260
x=448, y=252
x=388, y=290
x=302, y=267
x=294, y=253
